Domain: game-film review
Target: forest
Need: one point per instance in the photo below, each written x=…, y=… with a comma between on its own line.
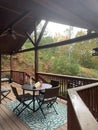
x=75, y=59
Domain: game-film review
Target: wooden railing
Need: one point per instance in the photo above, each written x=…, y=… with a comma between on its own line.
x=16, y=76
x=20, y=77
x=83, y=107
x=82, y=98
x=65, y=81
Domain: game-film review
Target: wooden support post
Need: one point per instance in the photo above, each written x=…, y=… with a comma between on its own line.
x=0, y=78
x=36, y=54
x=37, y=41
x=36, y=65
x=10, y=68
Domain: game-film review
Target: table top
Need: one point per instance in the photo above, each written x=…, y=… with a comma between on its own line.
x=31, y=87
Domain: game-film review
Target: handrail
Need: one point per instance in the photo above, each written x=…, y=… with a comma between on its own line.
x=88, y=86
x=68, y=76
x=20, y=77
x=82, y=115
x=65, y=81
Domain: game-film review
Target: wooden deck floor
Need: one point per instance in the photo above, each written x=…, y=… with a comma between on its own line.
x=9, y=121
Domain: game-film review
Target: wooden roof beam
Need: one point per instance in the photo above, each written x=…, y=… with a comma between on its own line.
x=9, y=9
x=31, y=40
x=19, y=19
x=42, y=31
x=71, y=41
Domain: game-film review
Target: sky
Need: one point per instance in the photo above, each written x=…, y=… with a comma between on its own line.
x=60, y=28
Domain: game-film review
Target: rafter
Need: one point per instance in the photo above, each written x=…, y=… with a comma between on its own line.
x=28, y=35
x=71, y=41
x=9, y=9
x=35, y=34
x=42, y=31
x=19, y=19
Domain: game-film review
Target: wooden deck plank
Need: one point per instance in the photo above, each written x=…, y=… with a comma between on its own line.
x=9, y=121
x=3, y=123
x=17, y=123
x=13, y=122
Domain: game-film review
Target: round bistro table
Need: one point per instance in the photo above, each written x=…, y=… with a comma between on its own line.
x=28, y=87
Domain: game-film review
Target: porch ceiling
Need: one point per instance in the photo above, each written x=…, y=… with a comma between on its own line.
x=19, y=16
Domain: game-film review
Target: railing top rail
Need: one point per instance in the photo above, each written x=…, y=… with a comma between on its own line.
x=88, y=86
x=67, y=76
x=85, y=118
x=5, y=70
x=17, y=71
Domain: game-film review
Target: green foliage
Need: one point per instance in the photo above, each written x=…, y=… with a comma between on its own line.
x=65, y=66
x=46, y=40
x=74, y=59
x=45, y=58
x=82, y=52
x=73, y=68
x=27, y=45
x=5, y=62
x=91, y=73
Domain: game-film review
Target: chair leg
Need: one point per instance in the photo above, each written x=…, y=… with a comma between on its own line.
x=51, y=104
x=26, y=106
x=16, y=107
x=40, y=107
x=55, y=110
x=42, y=112
x=5, y=95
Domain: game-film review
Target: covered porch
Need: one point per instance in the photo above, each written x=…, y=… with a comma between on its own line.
x=9, y=120
x=18, y=20
x=73, y=91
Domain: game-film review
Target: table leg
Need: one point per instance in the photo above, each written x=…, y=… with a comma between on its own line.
x=23, y=91
x=33, y=101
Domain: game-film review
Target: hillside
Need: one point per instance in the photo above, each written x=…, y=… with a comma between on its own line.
x=20, y=64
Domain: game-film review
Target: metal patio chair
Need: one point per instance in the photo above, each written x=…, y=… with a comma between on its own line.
x=48, y=98
x=22, y=100
x=54, y=83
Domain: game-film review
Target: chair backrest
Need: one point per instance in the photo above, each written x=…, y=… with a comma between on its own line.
x=15, y=91
x=54, y=83
x=51, y=92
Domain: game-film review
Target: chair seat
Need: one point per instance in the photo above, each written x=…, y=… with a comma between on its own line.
x=25, y=97
x=41, y=98
x=42, y=92
x=54, y=83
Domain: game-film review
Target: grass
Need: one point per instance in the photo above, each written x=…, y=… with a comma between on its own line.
x=91, y=73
